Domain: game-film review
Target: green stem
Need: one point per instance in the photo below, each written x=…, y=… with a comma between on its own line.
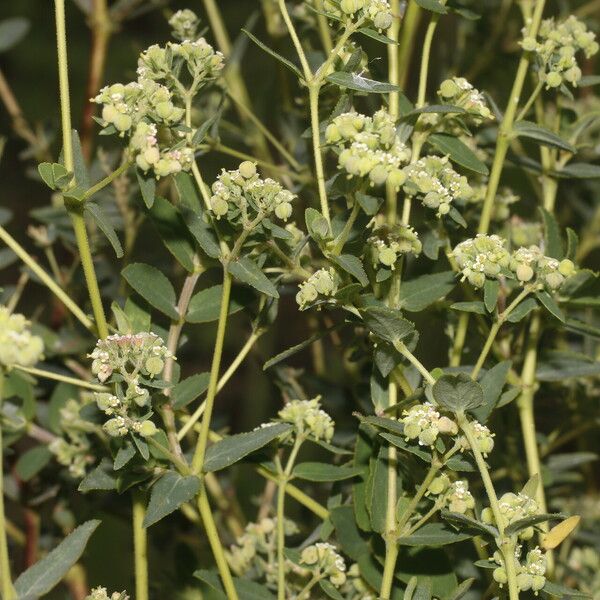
x=78, y=221
x=295, y=40
x=523, y=112
x=199, y=453
x=342, y=238
x=494, y=331
x=106, y=181
x=140, y=546
x=237, y=361
x=46, y=279
x=64, y=378
x=89, y=271
x=284, y=477
x=291, y=490
x=8, y=591
x=505, y=129
x=313, y=95
x=425, y=56
x=215, y=544
x=406, y=43
x=324, y=32
x=505, y=544
x=459, y=339
x=309, y=586
x=401, y=347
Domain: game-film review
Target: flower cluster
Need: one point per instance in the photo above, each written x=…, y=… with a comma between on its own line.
x=455, y=495
x=369, y=147
x=150, y=111
x=556, y=49
x=184, y=24
x=459, y=92
x=73, y=454
x=376, y=11
x=481, y=257
x=531, y=575
x=257, y=539
x=514, y=507
x=324, y=558
x=130, y=355
x=484, y=438
x=389, y=244
x=530, y=262
x=424, y=422
x=242, y=193
x=18, y=346
x=323, y=282
x=100, y=593
x=437, y=183
x=308, y=419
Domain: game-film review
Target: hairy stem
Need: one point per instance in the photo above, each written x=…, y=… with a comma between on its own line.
x=284, y=477
x=76, y=213
x=505, y=544
x=199, y=453
x=215, y=544
x=140, y=546
x=406, y=43
x=505, y=129
x=8, y=591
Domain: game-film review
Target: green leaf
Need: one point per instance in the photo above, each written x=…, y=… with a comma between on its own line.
x=400, y=442
x=387, y=323
x=579, y=171
x=173, y=232
x=330, y=590
x=521, y=524
x=316, y=471
x=124, y=455
x=100, y=478
x=550, y=304
x=492, y=383
x=168, y=494
x=235, y=447
x=419, y=293
x=472, y=307
x=469, y=525
x=12, y=31
x=372, y=33
x=247, y=271
x=353, y=81
x=557, y=365
x=353, y=265
x=541, y=135
x=202, y=232
x=153, y=287
x=205, y=305
x=433, y=5
x=284, y=61
x=246, y=589
x=458, y=152
x=588, y=80
x=298, y=347
x=457, y=393
x=189, y=195
x=316, y=224
x=434, y=534
x=189, y=389
x=553, y=246
x=45, y=574
x=147, y=185
x=32, y=461
x=491, y=289
x=370, y=204
x=440, y=109
x=522, y=310
x=582, y=328
x=462, y=589
x=559, y=591
x=105, y=226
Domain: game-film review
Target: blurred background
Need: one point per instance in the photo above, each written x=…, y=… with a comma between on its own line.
x=479, y=44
